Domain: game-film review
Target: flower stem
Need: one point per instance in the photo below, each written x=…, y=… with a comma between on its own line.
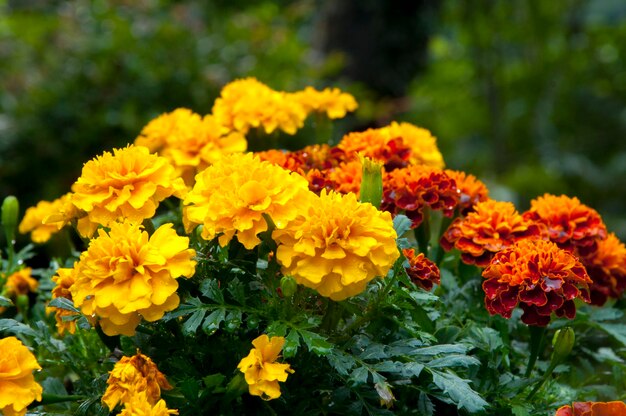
x=332, y=317
x=422, y=233
x=537, y=338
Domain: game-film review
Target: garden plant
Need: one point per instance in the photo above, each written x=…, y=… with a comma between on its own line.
x=209, y=270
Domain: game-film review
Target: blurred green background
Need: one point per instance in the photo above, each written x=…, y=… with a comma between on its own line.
x=529, y=96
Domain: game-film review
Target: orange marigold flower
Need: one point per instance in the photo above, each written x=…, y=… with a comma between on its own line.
x=422, y=271
x=128, y=184
x=47, y=218
x=18, y=387
x=337, y=245
x=261, y=371
x=607, y=269
x=138, y=405
x=539, y=276
x=472, y=190
x=572, y=225
x=410, y=189
x=21, y=283
x=331, y=101
x=346, y=177
x=290, y=161
x=247, y=103
x=125, y=275
x=132, y=375
x=231, y=196
x=592, y=409
x=491, y=227
x=190, y=142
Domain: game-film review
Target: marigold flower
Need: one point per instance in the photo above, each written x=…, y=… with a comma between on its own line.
x=18, y=387
x=572, y=225
x=231, y=196
x=593, y=409
x=607, y=269
x=346, y=177
x=410, y=189
x=64, y=279
x=128, y=184
x=47, y=218
x=331, y=101
x=138, y=405
x=472, y=190
x=422, y=271
x=21, y=282
x=247, y=103
x=125, y=275
x=261, y=371
x=423, y=144
x=337, y=245
x=491, y=227
x=131, y=376
x=539, y=276
x=189, y=141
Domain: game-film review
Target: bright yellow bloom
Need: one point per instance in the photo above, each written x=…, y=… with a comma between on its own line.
x=21, y=283
x=128, y=184
x=64, y=279
x=337, y=245
x=231, y=196
x=125, y=275
x=261, y=371
x=137, y=405
x=18, y=387
x=37, y=219
x=332, y=101
x=247, y=103
x=132, y=375
x=189, y=141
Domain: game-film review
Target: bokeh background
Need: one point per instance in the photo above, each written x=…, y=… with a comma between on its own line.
x=529, y=96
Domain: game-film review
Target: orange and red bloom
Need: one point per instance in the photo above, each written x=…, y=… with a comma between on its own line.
x=607, y=269
x=593, y=409
x=422, y=271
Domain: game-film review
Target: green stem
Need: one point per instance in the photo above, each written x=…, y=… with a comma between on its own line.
x=331, y=317
x=47, y=398
x=537, y=338
x=542, y=381
x=422, y=233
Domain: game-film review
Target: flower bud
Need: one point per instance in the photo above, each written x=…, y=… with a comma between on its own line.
x=562, y=342
x=288, y=286
x=371, y=182
x=10, y=213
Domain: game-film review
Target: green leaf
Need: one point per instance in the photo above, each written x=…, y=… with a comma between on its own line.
x=412, y=369
x=617, y=331
x=424, y=406
x=520, y=410
x=341, y=362
x=233, y=320
x=213, y=380
x=389, y=366
x=64, y=303
x=359, y=376
x=454, y=360
x=192, y=305
x=316, y=343
x=277, y=329
x=212, y=322
x=15, y=327
x=441, y=349
x=210, y=288
x=236, y=290
x=459, y=391
x=292, y=343
x=402, y=224
x=5, y=302
x=193, y=322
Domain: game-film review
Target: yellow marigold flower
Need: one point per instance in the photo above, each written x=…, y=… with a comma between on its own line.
x=64, y=279
x=231, y=196
x=129, y=377
x=18, y=387
x=125, y=275
x=261, y=371
x=138, y=405
x=128, y=184
x=247, y=103
x=607, y=269
x=190, y=142
x=47, y=218
x=21, y=283
x=423, y=144
x=337, y=245
x=332, y=101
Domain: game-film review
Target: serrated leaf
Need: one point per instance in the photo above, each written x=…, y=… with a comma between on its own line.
x=459, y=391
x=64, y=303
x=454, y=360
x=193, y=322
x=212, y=322
x=210, y=288
x=15, y=327
x=192, y=305
x=412, y=369
x=236, y=290
x=315, y=342
x=341, y=362
x=605, y=314
x=5, y=302
x=402, y=224
x=389, y=366
x=374, y=352
x=277, y=329
x=359, y=376
x=292, y=343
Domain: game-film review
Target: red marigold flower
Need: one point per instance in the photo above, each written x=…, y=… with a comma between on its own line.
x=491, y=227
x=592, y=409
x=607, y=269
x=540, y=277
x=471, y=190
x=572, y=225
x=412, y=188
x=422, y=271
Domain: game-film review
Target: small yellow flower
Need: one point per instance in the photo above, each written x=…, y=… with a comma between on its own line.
x=125, y=275
x=138, y=405
x=47, y=218
x=128, y=184
x=337, y=245
x=64, y=279
x=261, y=371
x=18, y=387
x=331, y=101
x=21, y=283
x=129, y=377
x=231, y=196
